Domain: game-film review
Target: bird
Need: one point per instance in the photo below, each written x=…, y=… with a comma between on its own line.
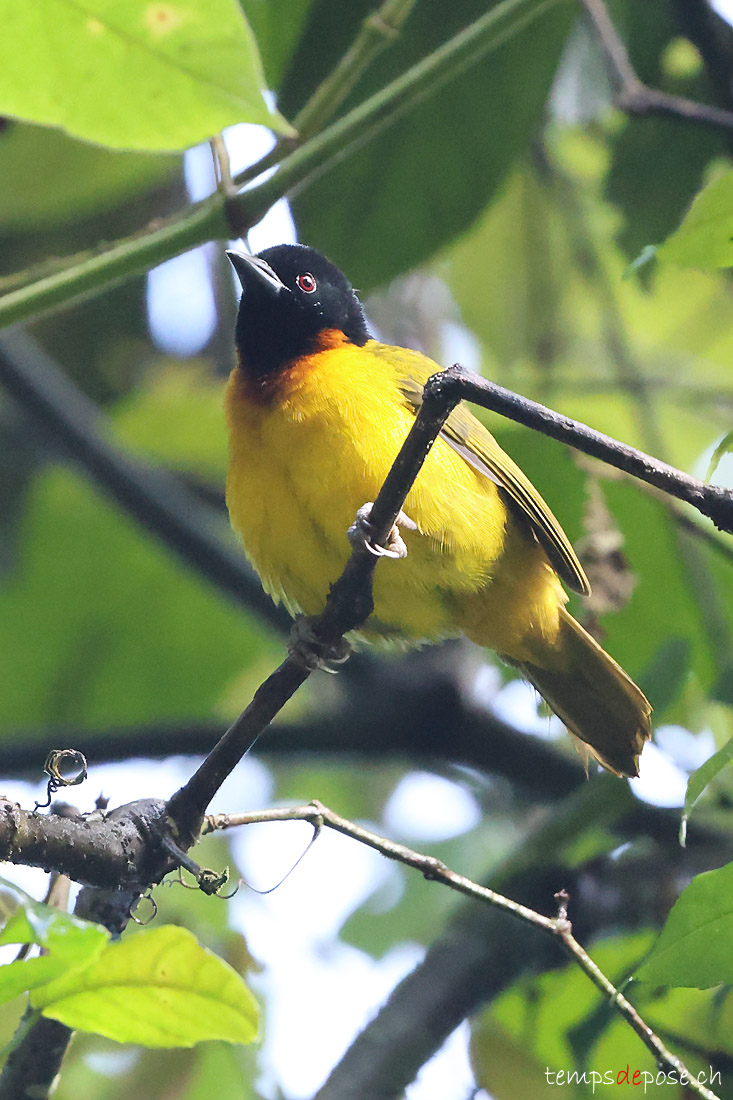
x=317, y=410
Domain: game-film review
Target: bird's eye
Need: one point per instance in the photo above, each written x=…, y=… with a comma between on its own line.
x=306, y=282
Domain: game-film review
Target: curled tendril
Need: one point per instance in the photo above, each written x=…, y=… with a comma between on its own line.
x=153, y=912
x=56, y=768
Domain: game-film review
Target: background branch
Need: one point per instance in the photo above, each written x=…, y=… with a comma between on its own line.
x=632, y=95
x=154, y=497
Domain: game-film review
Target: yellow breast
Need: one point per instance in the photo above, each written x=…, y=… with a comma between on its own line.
x=306, y=455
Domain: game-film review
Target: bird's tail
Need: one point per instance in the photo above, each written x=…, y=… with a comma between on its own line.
x=593, y=696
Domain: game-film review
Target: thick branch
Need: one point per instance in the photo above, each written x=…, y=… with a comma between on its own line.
x=632, y=95
x=109, y=852
x=712, y=501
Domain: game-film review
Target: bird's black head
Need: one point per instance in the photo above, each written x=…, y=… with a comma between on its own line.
x=291, y=295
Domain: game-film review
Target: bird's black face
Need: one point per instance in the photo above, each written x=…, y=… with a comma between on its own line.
x=291, y=295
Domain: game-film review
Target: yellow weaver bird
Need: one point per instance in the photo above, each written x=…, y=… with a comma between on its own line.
x=317, y=411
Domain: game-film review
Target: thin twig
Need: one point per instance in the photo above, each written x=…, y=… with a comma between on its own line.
x=632, y=95
x=437, y=871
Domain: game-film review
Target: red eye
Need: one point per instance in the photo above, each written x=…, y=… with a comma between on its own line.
x=306, y=282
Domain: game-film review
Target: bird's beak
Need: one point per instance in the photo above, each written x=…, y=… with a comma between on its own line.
x=254, y=272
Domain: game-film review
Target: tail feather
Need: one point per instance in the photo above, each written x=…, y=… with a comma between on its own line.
x=593, y=696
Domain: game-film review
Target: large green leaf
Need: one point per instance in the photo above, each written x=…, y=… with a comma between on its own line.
x=277, y=26
x=145, y=74
x=427, y=177
x=159, y=988
x=68, y=943
x=694, y=947
x=705, y=237
x=87, y=179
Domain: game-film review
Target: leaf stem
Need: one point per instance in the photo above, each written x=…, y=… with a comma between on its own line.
x=378, y=31
x=127, y=257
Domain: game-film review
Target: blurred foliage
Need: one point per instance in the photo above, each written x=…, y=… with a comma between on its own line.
x=399, y=179
x=87, y=178
x=559, y=1023
x=493, y=225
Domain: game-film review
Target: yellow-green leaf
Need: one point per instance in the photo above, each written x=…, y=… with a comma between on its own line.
x=705, y=237
x=144, y=74
x=159, y=988
x=694, y=947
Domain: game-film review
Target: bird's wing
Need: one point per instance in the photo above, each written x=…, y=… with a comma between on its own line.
x=474, y=443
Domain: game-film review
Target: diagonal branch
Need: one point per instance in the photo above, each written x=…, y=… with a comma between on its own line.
x=348, y=605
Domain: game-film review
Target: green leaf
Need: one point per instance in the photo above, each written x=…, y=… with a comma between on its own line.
x=277, y=26
x=694, y=947
x=68, y=941
x=59, y=932
x=87, y=179
x=66, y=936
x=24, y=975
x=158, y=988
x=700, y=779
x=705, y=237
x=723, y=448
x=145, y=74
x=432, y=172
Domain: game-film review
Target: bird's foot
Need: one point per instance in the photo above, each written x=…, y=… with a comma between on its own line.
x=360, y=534
x=311, y=652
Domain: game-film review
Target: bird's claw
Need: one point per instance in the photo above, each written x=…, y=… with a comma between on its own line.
x=360, y=534
x=311, y=652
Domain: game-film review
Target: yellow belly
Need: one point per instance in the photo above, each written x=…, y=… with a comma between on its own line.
x=302, y=465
